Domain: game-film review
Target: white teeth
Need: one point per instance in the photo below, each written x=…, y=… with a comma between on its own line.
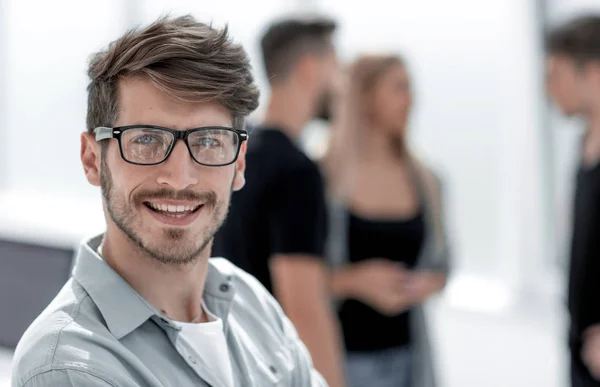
x=172, y=208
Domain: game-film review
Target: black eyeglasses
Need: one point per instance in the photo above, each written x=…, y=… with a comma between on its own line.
x=213, y=146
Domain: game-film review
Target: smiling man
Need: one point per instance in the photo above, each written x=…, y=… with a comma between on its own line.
x=145, y=305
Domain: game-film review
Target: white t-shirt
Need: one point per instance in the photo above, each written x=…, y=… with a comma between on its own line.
x=209, y=343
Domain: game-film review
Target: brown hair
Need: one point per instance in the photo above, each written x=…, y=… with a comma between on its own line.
x=578, y=39
x=188, y=60
x=287, y=40
x=361, y=78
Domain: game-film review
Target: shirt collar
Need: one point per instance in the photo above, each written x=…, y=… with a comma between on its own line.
x=121, y=306
x=219, y=291
x=123, y=309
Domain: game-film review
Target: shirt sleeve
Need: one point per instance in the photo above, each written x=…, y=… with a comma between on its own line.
x=65, y=378
x=298, y=213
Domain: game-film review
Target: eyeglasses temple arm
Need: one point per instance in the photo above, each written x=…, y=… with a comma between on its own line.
x=103, y=133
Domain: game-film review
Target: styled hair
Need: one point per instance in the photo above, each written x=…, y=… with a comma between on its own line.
x=288, y=40
x=188, y=60
x=578, y=39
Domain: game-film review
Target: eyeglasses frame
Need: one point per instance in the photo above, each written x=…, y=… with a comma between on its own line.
x=106, y=133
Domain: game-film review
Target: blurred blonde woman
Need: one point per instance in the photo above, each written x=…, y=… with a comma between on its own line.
x=388, y=242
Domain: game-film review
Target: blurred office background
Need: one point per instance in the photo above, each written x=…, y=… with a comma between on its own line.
x=481, y=119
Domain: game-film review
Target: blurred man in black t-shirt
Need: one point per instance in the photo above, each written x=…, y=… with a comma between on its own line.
x=276, y=229
x=574, y=86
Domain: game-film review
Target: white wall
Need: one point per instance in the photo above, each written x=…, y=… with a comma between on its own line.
x=45, y=195
x=46, y=80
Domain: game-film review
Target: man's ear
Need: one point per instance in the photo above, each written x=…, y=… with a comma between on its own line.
x=90, y=158
x=239, y=179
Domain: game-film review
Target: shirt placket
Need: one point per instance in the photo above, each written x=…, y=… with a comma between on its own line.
x=187, y=354
x=242, y=375
x=198, y=365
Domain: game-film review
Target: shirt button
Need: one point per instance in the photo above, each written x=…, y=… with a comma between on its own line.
x=192, y=360
x=224, y=288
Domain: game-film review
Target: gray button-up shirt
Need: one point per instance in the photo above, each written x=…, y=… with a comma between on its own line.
x=98, y=331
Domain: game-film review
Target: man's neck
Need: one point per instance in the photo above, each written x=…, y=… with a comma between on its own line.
x=175, y=291
x=288, y=111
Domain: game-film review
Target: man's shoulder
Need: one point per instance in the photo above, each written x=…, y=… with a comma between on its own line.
x=273, y=146
x=61, y=337
x=300, y=172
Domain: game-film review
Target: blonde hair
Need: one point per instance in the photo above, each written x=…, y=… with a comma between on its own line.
x=353, y=100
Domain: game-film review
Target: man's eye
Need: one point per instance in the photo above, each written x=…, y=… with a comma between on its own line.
x=208, y=142
x=146, y=140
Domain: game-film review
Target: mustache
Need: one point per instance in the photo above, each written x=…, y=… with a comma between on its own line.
x=207, y=197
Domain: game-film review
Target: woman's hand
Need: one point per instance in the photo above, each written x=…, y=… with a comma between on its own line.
x=420, y=285
x=385, y=285
x=379, y=283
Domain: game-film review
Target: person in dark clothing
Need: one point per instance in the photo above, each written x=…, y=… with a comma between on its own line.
x=276, y=229
x=573, y=83
x=281, y=211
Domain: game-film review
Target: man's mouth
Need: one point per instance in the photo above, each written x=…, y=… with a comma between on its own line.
x=172, y=210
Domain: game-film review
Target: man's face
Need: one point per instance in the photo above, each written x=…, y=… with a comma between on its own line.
x=327, y=70
x=195, y=197
x=566, y=84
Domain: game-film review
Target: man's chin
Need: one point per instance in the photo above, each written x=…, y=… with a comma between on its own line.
x=175, y=234
x=172, y=256
x=175, y=246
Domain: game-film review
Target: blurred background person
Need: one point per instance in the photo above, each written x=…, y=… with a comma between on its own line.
x=277, y=223
x=573, y=83
x=387, y=232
